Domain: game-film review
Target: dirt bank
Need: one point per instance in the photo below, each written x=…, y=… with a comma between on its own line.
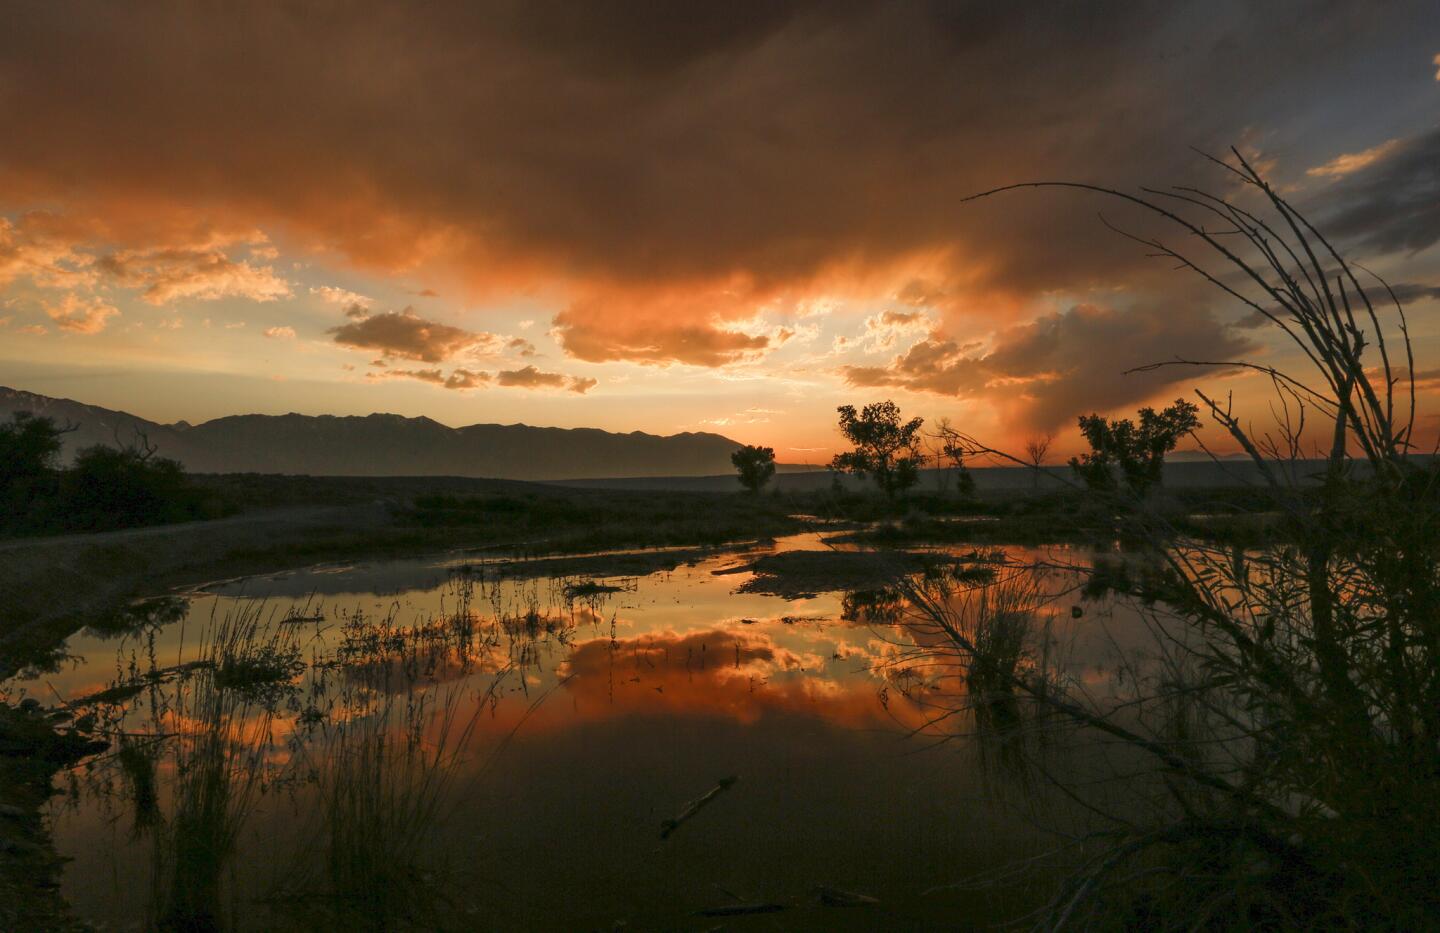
x=49, y=587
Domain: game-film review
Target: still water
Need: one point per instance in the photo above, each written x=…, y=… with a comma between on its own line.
x=579, y=706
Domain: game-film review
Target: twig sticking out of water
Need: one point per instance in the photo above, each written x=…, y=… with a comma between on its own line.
x=740, y=910
x=696, y=805
x=835, y=897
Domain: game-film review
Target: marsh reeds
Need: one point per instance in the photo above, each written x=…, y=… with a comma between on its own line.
x=380, y=770
x=217, y=726
x=391, y=714
x=352, y=729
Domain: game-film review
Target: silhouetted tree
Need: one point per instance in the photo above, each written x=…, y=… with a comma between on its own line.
x=106, y=487
x=29, y=447
x=110, y=487
x=755, y=466
x=1036, y=450
x=1138, y=453
x=884, y=446
x=952, y=452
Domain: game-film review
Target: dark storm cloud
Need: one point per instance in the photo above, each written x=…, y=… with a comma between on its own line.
x=1045, y=371
x=532, y=378
x=407, y=335
x=1393, y=203
x=1406, y=292
x=623, y=148
x=458, y=379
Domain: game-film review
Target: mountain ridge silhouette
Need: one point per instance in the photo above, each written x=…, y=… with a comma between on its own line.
x=384, y=444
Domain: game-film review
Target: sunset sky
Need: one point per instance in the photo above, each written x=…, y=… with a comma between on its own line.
x=678, y=217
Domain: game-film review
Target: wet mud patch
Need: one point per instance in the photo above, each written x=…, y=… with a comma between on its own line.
x=804, y=574
x=600, y=566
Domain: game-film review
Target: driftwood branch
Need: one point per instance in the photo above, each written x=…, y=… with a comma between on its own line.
x=695, y=806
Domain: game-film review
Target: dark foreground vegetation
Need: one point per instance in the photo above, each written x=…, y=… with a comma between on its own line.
x=1283, y=720
x=123, y=486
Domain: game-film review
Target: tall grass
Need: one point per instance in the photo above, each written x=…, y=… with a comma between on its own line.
x=218, y=722
x=1285, y=728
x=391, y=713
x=380, y=770
x=364, y=737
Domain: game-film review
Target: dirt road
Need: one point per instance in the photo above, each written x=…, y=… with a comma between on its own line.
x=275, y=518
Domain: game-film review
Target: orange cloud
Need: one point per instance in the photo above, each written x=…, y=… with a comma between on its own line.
x=1426, y=380
x=1349, y=163
x=733, y=674
x=629, y=324
x=81, y=315
x=465, y=379
x=527, y=378
x=340, y=296
x=612, y=157
x=41, y=249
x=423, y=375
x=202, y=272
x=650, y=150
x=611, y=338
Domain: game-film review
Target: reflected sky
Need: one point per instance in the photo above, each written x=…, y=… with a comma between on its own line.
x=600, y=715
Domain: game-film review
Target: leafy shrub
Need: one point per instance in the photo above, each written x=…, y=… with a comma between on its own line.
x=110, y=488
x=105, y=488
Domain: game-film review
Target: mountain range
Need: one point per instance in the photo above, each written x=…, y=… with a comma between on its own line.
x=384, y=444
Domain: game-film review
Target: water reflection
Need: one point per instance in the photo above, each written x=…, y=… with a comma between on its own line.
x=502, y=749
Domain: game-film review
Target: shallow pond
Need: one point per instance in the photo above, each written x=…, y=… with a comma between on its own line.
x=576, y=707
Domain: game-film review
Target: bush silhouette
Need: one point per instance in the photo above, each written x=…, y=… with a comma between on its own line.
x=105, y=488
x=29, y=447
x=755, y=466
x=1287, y=713
x=1137, y=453
x=110, y=487
x=884, y=446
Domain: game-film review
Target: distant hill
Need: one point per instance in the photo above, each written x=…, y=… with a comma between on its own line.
x=94, y=425
x=385, y=445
